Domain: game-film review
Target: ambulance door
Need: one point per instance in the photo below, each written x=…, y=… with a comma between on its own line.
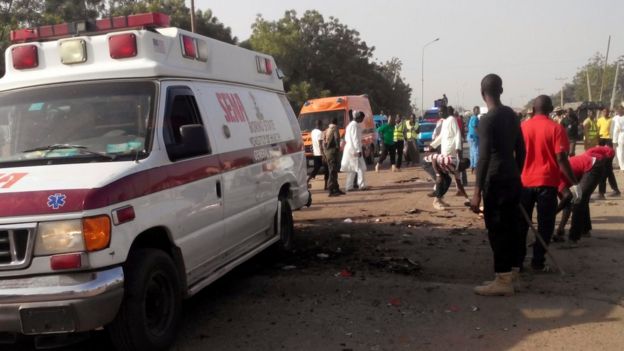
x=196, y=200
x=230, y=109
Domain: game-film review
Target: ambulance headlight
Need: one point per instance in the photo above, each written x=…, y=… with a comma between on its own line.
x=59, y=237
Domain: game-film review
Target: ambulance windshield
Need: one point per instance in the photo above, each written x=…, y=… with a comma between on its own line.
x=83, y=122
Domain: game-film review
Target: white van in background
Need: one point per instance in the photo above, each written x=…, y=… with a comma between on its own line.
x=138, y=164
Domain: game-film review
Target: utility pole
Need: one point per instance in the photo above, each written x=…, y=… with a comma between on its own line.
x=588, y=85
x=604, y=70
x=422, y=76
x=193, y=16
x=562, y=85
x=617, y=72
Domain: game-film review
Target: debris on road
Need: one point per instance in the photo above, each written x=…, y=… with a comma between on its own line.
x=474, y=308
x=345, y=236
x=289, y=268
x=322, y=256
x=395, y=302
x=348, y=220
x=413, y=211
x=345, y=273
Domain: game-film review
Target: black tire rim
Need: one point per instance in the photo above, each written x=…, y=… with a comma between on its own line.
x=159, y=301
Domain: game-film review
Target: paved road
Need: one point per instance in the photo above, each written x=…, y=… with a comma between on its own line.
x=392, y=280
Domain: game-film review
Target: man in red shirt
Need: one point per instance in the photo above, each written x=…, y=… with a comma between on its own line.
x=547, y=148
x=589, y=168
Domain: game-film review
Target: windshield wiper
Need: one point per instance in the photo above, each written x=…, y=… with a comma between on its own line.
x=84, y=149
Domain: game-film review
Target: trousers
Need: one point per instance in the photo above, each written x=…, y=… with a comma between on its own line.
x=387, y=149
x=333, y=165
x=500, y=211
x=545, y=199
x=608, y=173
x=358, y=176
x=474, y=153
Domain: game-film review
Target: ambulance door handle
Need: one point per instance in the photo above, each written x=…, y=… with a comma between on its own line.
x=219, y=189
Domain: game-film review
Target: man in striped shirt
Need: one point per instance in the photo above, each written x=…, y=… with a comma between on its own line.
x=441, y=167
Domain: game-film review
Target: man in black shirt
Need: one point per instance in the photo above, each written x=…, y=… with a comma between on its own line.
x=501, y=158
x=570, y=123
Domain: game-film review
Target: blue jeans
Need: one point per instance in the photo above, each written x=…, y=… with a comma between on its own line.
x=474, y=153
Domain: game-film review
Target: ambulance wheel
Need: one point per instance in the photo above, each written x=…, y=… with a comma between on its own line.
x=150, y=312
x=286, y=225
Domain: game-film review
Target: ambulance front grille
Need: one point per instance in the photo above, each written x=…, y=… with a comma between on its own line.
x=15, y=247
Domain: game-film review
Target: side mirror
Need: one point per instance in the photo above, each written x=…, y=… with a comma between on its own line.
x=194, y=142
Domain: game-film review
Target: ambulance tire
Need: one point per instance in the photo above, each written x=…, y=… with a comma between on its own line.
x=149, y=315
x=287, y=227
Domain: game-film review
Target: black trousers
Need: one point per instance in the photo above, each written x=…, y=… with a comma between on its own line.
x=443, y=185
x=333, y=165
x=500, y=209
x=545, y=198
x=399, y=145
x=387, y=149
x=581, y=219
x=608, y=174
x=318, y=164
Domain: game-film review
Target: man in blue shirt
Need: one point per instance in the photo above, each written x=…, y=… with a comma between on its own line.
x=473, y=138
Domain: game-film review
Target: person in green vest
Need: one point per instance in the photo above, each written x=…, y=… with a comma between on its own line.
x=411, y=133
x=386, y=132
x=399, y=140
x=590, y=131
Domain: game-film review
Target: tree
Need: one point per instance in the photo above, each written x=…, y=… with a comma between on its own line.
x=205, y=22
x=577, y=90
x=321, y=58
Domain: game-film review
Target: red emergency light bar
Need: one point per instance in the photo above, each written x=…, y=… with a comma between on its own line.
x=144, y=20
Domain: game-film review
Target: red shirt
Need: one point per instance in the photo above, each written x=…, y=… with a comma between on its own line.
x=600, y=152
x=580, y=165
x=544, y=139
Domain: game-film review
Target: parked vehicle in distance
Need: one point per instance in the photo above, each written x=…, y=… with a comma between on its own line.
x=425, y=134
x=325, y=109
x=431, y=115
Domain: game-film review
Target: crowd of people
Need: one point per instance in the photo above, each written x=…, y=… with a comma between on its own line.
x=523, y=163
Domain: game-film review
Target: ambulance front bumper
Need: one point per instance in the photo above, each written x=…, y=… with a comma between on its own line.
x=61, y=303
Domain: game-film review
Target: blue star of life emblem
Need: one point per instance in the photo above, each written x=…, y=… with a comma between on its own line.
x=56, y=201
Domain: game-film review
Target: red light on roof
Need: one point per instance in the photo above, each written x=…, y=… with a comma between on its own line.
x=189, y=48
x=148, y=20
x=22, y=35
x=25, y=57
x=122, y=46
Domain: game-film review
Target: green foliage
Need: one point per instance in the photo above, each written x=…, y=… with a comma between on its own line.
x=593, y=71
x=322, y=58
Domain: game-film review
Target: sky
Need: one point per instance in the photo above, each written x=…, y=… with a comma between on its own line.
x=529, y=43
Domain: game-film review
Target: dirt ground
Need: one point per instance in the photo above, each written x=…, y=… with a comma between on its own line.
x=399, y=276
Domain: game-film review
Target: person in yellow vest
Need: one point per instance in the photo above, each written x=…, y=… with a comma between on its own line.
x=604, y=124
x=399, y=140
x=411, y=133
x=590, y=131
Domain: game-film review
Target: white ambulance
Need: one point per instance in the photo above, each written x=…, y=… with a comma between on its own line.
x=138, y=164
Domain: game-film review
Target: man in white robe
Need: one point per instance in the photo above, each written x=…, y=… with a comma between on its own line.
x=352, y=160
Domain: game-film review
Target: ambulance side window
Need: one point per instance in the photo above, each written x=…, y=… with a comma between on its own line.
x=181, y=111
